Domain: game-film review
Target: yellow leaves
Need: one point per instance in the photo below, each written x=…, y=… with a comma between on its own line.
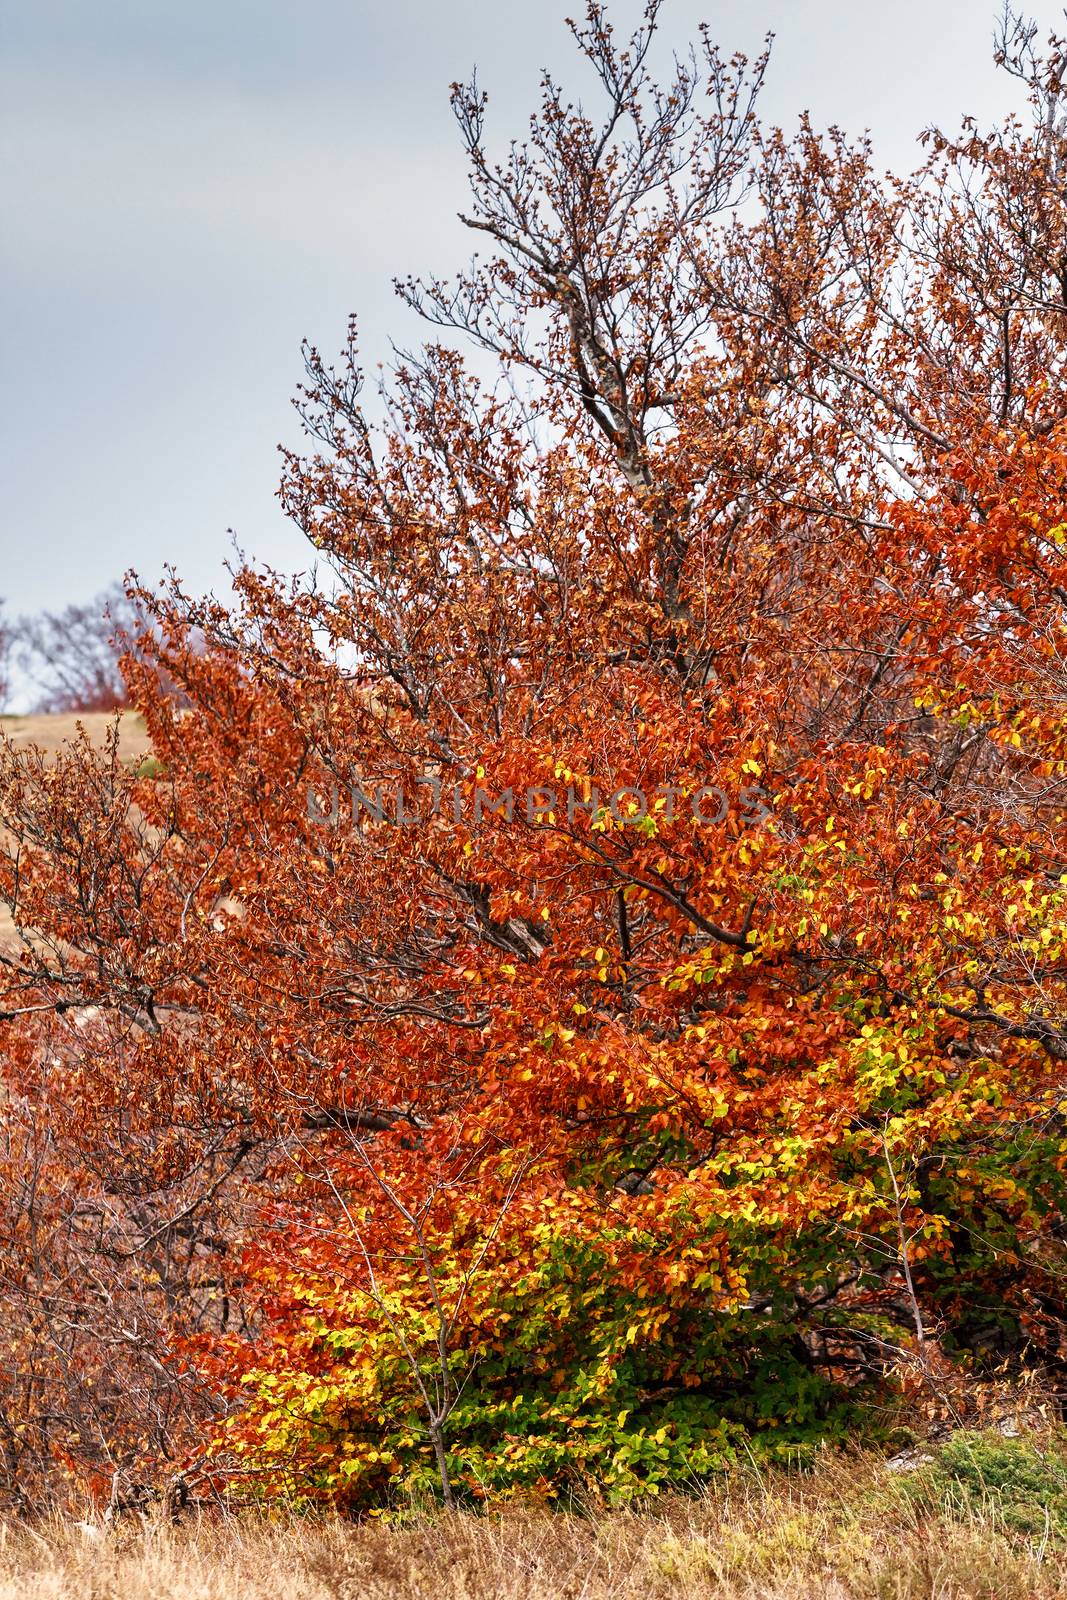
x=866, y=787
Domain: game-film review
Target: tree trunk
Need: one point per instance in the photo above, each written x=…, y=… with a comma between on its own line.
x=437, y=1438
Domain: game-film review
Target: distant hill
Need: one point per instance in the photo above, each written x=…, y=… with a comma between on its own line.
x=50, y=730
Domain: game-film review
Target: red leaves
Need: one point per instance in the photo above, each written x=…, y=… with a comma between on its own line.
x=760, y=593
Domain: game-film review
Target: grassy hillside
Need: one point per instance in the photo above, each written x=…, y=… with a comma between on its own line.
x=983, y=1517
x=49, y=731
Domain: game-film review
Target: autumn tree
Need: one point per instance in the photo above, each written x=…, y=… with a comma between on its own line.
x=716, y=1078
x=71, y=657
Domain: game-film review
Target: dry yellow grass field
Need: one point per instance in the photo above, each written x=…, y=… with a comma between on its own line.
x=848, y=1531
x=49, y=731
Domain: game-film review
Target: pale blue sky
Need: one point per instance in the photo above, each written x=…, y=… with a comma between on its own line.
x=189, y=189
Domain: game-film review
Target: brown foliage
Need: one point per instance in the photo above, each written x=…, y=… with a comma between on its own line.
x=773, y=493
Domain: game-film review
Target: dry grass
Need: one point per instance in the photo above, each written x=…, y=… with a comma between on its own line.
x=847, y=1531
x=49, y=731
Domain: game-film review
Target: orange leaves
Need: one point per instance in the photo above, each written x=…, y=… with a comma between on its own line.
x=721, y=675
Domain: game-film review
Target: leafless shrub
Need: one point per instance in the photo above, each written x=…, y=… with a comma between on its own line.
x=71, y=657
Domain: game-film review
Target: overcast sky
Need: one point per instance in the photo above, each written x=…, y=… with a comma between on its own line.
x=191, y=188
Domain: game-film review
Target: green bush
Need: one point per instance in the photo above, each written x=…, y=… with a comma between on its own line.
x=1023, y=1480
